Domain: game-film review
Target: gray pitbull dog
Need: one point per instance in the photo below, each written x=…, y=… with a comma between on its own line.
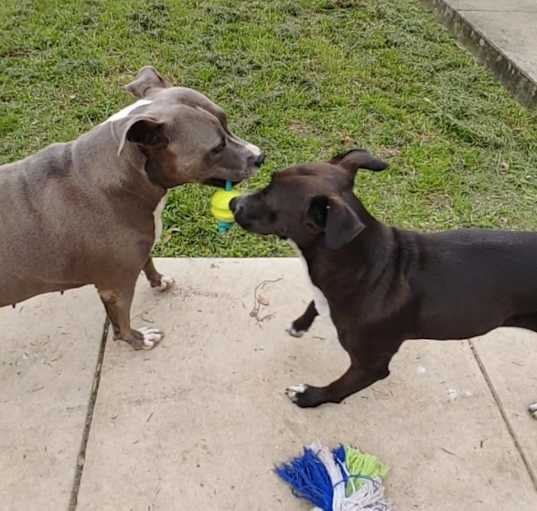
x=88, y=211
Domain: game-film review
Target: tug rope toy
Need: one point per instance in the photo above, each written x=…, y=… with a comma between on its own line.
x=342, y=479
x=220, y=206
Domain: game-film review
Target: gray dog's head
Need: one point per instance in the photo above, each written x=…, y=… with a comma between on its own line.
x=183, y=134
x=310, y=203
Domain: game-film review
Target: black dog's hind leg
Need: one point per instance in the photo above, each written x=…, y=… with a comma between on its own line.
x=302, y=324
x=369, y=363
x=529, y=322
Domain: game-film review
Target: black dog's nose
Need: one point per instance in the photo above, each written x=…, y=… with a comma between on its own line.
x=260, y=159
x=233, y=204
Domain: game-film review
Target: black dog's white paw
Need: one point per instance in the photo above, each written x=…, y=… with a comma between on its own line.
x=293, y=392
x=295, y=333
x=533, y=410
x=306, y=396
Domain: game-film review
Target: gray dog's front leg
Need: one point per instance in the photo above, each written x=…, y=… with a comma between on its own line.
x=117, y=303
x=155, y=278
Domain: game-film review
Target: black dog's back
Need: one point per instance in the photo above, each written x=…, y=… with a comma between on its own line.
x=472, y=280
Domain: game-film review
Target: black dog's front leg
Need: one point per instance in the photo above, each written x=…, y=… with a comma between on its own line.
x=369, y=363
x=355, y=379
x=302, y=324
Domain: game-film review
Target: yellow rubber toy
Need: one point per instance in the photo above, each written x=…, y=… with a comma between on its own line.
x=220, y=207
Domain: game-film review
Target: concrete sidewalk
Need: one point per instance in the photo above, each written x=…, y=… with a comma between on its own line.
x=199, y=422
x=502, y=35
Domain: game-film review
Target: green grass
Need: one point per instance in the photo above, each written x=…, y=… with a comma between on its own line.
x=302, y=80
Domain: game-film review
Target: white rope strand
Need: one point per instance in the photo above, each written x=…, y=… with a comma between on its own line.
x=369, y=497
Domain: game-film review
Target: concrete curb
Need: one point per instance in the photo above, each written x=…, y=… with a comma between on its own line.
x=512, y=77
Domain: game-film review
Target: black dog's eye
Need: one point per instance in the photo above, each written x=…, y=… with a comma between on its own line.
x=219, y=148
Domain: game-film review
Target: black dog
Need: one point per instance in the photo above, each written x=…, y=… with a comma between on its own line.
x=383, y=285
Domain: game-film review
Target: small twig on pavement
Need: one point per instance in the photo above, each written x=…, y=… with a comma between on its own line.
x=449, y=452
x=260, y=302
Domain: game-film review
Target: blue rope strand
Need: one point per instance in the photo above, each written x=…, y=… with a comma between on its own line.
x=309, y=479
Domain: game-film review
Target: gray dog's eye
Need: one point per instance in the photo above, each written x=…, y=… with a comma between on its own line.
x=219, y=148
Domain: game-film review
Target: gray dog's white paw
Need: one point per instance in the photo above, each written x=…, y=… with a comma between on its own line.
x=152, y=336
x=294, y=390
x=533, y=410
x=166, y=282
x=294, y=333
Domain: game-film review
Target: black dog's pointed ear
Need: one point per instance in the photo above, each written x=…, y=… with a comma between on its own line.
x=144, y=131
x=337, y=220
x=147, y=78
x=358, y=159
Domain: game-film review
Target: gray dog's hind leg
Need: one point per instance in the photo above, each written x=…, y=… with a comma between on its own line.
x=302, y=324
x=117, y=303
x=155, y=278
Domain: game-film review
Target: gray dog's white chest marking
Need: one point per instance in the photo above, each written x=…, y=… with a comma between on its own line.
x=321, y=303
x=157, y=214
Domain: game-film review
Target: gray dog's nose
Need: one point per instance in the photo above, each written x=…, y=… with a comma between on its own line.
x=260, y=160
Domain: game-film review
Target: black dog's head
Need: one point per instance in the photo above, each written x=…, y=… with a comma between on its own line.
x=311, y=202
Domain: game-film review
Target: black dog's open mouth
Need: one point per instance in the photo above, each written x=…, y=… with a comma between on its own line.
x=220, y=183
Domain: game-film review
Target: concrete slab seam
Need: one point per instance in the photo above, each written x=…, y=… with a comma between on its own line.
x=81, y=457
x=512, y=77
x=503, y=414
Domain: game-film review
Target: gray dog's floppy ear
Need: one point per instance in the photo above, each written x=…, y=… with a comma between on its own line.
x=147, y=78
x=144, y=131
x=358, y=159
x=338, y=221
